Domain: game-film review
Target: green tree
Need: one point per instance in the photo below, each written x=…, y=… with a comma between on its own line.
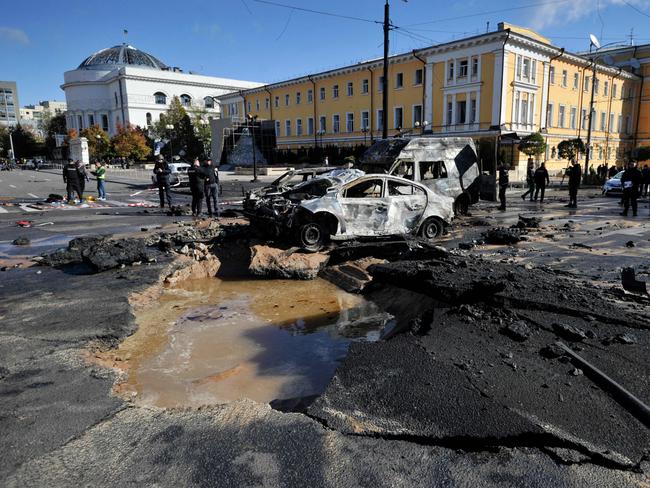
x=183, y=136
x=533, y=144
x=24, y=141
x=54, y=125
x=99, y=144
x=199, y=119
x=130, y=143
x=570, y=149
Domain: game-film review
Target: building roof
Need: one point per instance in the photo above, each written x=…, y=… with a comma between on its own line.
x=121, y=55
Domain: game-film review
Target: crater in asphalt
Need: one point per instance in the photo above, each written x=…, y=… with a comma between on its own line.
x=216, y=340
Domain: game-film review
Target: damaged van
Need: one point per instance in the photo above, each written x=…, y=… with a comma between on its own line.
x=446, y=165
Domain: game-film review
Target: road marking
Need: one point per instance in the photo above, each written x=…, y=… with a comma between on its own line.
x=12, y=186
x=3, y=210
x=25, y=208
x=136, y=193
x=33, y=196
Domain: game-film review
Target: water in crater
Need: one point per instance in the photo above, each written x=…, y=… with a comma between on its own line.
x=212, y=340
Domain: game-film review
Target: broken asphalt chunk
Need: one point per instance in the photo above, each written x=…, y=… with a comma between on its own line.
x=518, y=331
x=569, y=332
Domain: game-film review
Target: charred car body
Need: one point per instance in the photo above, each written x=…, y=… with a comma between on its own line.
x=446, y=165
x=352, y=205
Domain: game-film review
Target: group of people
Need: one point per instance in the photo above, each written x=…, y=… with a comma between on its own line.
x=75, y=177
x=537, y=180
x=204, y=184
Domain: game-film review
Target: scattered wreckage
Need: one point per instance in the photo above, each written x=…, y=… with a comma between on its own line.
x=446, y=165
x=346, y=204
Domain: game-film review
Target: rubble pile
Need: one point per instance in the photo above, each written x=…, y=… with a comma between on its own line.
x=272, y=262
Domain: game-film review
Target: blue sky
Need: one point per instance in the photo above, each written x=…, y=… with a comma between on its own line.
x=250, y=40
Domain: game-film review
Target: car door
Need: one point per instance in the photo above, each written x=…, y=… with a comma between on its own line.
x=406, y=204
x=364, y=207
x=434, y=175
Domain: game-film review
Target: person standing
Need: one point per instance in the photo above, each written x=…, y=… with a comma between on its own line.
x=100, y=174
x=645, y=187
x=326, y=161
x=71, y=179
x=196, y=176
x=612, y=171
x=83, y=177
x=504, y=180
x=530, y=181
x=575, y=175
x=541, y=181
x=161, y=171
x=211, y=188
x=630, y=181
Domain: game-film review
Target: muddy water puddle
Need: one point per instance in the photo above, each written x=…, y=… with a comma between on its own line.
x=211, y=341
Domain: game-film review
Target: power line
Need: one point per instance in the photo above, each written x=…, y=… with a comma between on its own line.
x=320, y=12
x=635, y=8
x=487, y=12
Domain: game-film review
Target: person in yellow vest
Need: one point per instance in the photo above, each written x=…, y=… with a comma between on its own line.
x=100, y=174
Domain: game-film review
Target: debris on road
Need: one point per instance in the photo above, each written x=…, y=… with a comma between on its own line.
x=21, y=241
x=630, y=283
x=504, y=235
x=289, y=264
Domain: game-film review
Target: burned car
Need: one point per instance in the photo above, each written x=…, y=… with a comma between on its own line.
x=369, y=207
x=447, y=165
x=269, y=210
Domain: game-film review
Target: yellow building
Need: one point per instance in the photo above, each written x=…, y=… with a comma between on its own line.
x=510, y=82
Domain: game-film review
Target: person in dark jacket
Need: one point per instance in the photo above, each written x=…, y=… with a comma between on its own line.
x=71, y=179
x=645, y=187
x=630, y=181
x=196, y=175
x=530, y=181
x=612, y=171
x=575, y=175
x=161, y=171
x=83, y=177
x=211, y=188
x=541, y=181
x=504, y=180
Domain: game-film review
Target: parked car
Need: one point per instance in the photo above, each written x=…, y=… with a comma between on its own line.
x=613, y=184
x=178, y=175
x=446, y=165
x=371, y=206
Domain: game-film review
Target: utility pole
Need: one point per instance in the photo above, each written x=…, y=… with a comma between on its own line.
x=591, y=117
x=384, y=129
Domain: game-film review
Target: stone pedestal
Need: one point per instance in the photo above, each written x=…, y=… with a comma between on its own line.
x=79, y=150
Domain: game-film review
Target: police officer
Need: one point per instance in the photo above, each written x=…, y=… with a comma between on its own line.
x=71, y=179
x=541, y=180
x=161, y=171
x=630, y=181
x=504, y=180
x=575, y=175
x=197, y=177
x=211, y=188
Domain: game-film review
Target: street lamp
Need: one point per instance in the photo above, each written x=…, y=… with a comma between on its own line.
x=251, y=120
x=170, y=128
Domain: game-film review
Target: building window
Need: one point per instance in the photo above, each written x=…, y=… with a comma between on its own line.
x=549, y=115
x=298, y=127
x=365, y=119
x=611, y=122
x=450, y=70
x=417, y=114
x=310, y=126
x=398, y=118
x=462, y=69
x=585, y=86
x=461, y=110
x=310, y=96
x=620, y=123
x=576, y=81
x=474, y=66
x=419, y=75
x=572, y=117
x=350, y=89
x=349, y=122
x=627, y=124
x=80, y=121
x=603, y=117
x=105, y=123
x=257, y=104
x=287, y=128
x=336, y=124
x=584, y=120
x=250, y=109
x=322, y=124
x=186, y=100
x=399, y=80
x=614, y=90
x=560, y=116
x=596, y=85
x=322, y=93
x=606, y=88
x=276, y=102
x=565, y=78
x=208, y=102
x=286, y=100
x=380, y=119
x=91, y=120
x=266, y=103
x=364, y=86
x=115, y=95
x=551, y=75
x=335, y=91
x=450, y=112
x=472, y=113
x=160, y=98
x=148, y=119
x=277, y=128
x=380, y=87
x=298, y=97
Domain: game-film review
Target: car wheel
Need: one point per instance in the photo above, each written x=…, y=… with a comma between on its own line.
x=431, y=229
x=312, y=236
